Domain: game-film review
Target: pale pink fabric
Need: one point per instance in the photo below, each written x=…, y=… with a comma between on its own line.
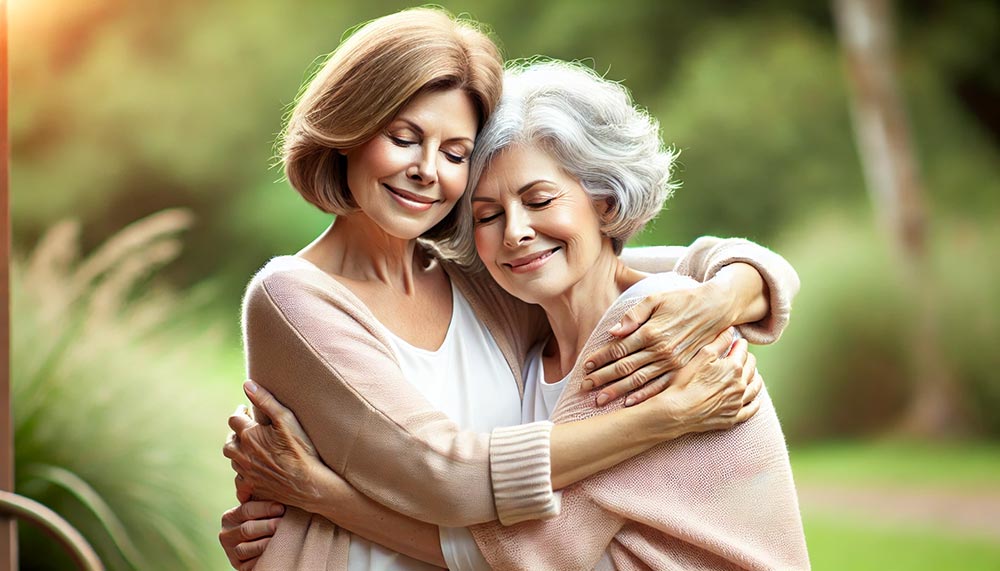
x=323, y=354
x=720, y=501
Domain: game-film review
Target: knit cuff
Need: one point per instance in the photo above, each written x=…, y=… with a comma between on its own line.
x=781, y=279
x=520, y=465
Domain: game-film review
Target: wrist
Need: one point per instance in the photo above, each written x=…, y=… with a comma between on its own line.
x=324, y=492
x=658, y=422
x=741, y=292
x=724, y=298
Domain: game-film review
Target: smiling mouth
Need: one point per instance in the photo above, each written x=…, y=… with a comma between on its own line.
x=409, y=196
x=531, y=262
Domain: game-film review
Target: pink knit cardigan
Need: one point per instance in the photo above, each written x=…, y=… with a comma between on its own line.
x=323, y=354
x=714, y=501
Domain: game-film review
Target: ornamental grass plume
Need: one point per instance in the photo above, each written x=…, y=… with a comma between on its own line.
x=110, y=431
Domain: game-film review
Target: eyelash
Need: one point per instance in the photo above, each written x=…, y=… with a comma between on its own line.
x=540, y=204
x=452, y=157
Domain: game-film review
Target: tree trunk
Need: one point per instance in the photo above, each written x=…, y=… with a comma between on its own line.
x=893, y=179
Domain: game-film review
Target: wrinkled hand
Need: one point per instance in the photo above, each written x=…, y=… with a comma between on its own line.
x=274, y=461
x=246, y=531
x=661, y=333
x=716, y=390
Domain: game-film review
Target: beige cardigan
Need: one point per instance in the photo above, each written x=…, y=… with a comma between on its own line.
x=315, y=345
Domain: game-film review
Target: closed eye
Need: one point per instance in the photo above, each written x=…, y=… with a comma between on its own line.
x=488, y=218
x=457, y=159
x=401, y=142
x=540, y=203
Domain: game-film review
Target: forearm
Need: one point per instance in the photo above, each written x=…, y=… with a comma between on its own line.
x=743, y=292
x=585, y=447
x=338, y=502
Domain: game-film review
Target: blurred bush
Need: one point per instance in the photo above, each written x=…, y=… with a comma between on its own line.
x=112, y=429
x=842, y=369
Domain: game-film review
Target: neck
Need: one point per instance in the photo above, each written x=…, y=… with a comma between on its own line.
x=575, y=313
x=356, y=248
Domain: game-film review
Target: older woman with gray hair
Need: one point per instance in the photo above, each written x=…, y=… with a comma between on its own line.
x=564, y=173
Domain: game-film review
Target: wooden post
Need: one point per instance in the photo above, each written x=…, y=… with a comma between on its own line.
x=8, y=526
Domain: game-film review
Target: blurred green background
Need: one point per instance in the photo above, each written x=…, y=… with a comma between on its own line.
x=144, y=198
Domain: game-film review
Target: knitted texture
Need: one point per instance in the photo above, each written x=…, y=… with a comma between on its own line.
x=324, y=355
x=721, y=500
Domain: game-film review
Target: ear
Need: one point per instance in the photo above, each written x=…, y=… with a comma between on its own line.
x=605, y=208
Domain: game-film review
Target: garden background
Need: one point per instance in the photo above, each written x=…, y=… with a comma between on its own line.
x=144, y=196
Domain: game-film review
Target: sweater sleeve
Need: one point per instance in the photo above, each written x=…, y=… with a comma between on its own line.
x=323, y=356
x=708, y=254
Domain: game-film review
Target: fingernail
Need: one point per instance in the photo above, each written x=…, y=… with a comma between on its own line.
x=603, y=398
x=629, y=401
x=586, y=385
x=276, y=510
x=615, y=328
x=588, y=366
x=250, y=386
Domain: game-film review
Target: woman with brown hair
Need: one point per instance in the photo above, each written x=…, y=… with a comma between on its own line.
x=403, y=365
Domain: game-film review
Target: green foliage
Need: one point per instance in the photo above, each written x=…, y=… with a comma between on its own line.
x=843, y=366
x=111, y=427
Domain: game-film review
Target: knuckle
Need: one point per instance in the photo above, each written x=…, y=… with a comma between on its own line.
x=622, y=368
x=638, y=379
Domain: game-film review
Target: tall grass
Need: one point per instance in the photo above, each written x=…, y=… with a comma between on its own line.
x=111, y=429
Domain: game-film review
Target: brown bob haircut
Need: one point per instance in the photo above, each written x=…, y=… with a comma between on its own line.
x=367, y=81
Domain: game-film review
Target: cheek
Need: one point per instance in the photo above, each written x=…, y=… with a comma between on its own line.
x=453, y=180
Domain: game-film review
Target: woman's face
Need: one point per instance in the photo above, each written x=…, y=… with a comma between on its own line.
x=408, y=177
x=537, y=230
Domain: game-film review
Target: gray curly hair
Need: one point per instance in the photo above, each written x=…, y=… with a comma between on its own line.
x=592, y=128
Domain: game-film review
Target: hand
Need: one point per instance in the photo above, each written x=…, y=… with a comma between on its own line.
x=274, y=461
x=716, y=390
x=660, y=334
x=246, y=531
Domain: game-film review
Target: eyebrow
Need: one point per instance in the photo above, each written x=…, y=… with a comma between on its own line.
x=520, y=191
x=420, y=131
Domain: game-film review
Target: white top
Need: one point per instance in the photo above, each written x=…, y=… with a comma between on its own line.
x=469, y=380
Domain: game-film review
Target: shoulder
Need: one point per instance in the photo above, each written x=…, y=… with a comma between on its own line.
x=295, y=291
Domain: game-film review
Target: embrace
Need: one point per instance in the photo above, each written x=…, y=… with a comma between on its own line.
x=467, y=369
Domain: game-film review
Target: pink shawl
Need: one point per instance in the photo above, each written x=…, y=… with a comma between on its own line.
x=721, y=501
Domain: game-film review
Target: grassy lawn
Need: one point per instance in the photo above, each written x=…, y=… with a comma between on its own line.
x=852, y=543
x=843, y=545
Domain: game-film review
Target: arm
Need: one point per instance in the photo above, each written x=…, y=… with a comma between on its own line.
x=705, y=397
x=327, y=359
x=743, y=285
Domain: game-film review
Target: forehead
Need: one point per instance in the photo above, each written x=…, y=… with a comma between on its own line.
x=519, y=164
x=449, y=111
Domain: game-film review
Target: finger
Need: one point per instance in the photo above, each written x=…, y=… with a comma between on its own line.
x=739, y=353
x=753, y=389
x=260, y=510
x=635, y=317
x=603, y=361
x=649, y=390
x=239, y=423
x=244, y=489
x=630, y=383
x=248, y=565
x=257, y=529
x=622, y=368
x=747, y=412
x=721, y=345
x=265, y=402
x=251, y=549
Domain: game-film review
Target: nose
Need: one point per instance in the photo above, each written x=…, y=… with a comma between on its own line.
x=518, y=229
x=424, y=169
